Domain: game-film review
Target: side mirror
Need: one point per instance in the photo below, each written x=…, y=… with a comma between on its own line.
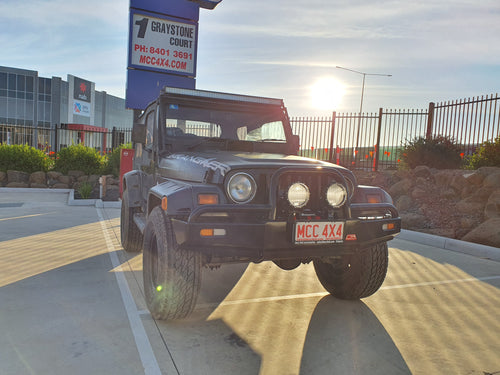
x=295, y=144
x=139, y=133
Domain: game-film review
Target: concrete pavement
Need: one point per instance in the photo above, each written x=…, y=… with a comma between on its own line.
x=71, y=302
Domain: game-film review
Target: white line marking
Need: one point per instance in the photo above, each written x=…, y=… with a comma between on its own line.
x=24, y=217
x=472, y=279
x=146, y=353
x=322, y=294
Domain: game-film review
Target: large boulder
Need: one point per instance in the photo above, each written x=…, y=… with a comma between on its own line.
x=475, y=178
x=422, y=171
x=488, y=233
x=492, y=181
x=492, y=208
x=458, y=182
x=413, y=221
x=17, y=178
x=400, y=188
x=38, y=179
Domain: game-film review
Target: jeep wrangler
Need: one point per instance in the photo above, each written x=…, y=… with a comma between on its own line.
x=216, y=179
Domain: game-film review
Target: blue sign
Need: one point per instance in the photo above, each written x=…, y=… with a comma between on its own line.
x=163, y=39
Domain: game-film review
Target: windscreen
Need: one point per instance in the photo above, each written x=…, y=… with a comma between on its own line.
x=191, y=126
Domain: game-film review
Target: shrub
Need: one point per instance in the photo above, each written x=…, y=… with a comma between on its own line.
x=79, y=158
x=488, y=155
x=438, y=152
x=85, y=190
x=23, y=158
x=113, y=162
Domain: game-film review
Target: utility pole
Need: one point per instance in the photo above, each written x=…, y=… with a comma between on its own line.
x=362, y=95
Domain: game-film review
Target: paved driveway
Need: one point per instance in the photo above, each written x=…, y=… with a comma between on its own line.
x=71, y=302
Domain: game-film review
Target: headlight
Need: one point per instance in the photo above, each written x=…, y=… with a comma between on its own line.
x=336, y=195
x=298, y=194
x=241, y=188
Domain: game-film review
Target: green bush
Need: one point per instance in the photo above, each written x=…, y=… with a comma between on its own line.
x=488, y=155
x=23, y=158
x=438, y=152
x=85, y=190
x=113, y=161
x=79, y=158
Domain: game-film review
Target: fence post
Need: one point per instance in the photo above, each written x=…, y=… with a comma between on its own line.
x=377, y=146
x=332, y=134
x=56, y=138
x=113, y=138
x=430, y=121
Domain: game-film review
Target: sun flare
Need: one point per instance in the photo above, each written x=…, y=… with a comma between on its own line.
x=327, y=93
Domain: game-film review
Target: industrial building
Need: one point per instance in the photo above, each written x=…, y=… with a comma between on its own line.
x=54, y=113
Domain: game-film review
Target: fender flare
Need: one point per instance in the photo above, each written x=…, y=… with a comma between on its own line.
x=179, y=195
x=132, y=182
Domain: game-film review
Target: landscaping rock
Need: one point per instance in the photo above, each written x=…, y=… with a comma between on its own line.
x=492, y=208
x=422, y=171
x=52, y=175
x=413, y=221
x=404, y=203
x=492, y=180
x=475, y=178
x=400, y=188
x=38, y=178
x=488, y=233
x=15, y=177
x=76, y=174
x=458, y=182
x=449, y=203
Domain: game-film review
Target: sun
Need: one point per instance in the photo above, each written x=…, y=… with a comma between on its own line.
x=327, y=93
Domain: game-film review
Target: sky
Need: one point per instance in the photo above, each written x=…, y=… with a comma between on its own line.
x=434, y=51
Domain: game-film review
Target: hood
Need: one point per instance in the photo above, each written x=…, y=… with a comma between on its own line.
x=193, y=166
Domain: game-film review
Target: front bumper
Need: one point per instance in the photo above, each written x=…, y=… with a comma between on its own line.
x=247, y=233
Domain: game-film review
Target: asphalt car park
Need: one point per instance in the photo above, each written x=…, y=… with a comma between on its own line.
x=71, y=301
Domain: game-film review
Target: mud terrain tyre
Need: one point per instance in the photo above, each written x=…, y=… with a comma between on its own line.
x=172, y=276
x=131, y=236
x=354, y=276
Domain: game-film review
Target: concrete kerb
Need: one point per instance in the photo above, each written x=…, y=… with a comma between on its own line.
x=474, y=249
x=71, y=197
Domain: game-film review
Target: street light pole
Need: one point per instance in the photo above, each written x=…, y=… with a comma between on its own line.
x=362, y=95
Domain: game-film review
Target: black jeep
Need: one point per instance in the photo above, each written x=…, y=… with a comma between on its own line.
x=216, y=180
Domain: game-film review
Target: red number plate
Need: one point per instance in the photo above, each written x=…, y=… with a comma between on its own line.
x=319, y=232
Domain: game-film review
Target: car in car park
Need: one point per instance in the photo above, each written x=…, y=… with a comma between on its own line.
x=217, y=180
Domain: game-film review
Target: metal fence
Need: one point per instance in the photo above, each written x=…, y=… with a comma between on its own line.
x=56, y=138
x=373, y=141
x=369, y=141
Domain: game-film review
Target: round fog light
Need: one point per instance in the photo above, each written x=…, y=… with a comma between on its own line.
x=298, y=194
x=336, y=195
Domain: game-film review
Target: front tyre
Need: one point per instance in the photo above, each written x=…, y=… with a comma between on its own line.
x=354, y=276
x=172, y=276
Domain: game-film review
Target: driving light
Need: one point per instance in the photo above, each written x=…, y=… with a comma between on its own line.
x=241, y=188
x=336, y=195
x=298, y=195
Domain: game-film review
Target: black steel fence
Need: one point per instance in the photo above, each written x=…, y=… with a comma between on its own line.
x=373, y=141
x=369, y=141
x=61, y=136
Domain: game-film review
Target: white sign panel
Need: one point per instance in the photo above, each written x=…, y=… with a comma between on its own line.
x=162, y=44
x=81, y=108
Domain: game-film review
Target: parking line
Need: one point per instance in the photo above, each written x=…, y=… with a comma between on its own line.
x=146, y=353
x=322, y=294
